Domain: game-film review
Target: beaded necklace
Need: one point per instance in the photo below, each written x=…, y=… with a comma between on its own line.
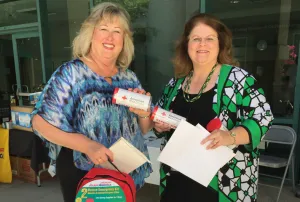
x=188, y=84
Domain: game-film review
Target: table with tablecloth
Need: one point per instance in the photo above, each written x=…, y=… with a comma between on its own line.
x=26, y=144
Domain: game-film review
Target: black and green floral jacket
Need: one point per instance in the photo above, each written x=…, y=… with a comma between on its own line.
x=238, y=101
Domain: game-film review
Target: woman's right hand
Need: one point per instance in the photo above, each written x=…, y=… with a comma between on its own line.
x=161, y=127
x=98, y=153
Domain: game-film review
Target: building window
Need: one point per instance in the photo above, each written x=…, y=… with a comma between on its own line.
x=266, y=42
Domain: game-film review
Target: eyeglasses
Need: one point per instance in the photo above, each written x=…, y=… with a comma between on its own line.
x=206, y=40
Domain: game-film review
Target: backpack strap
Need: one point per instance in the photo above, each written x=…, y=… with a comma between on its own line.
x=111, y=163
x=173, y=93
x=169, y=93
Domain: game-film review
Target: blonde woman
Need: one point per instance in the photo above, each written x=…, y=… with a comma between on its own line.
x=74, y=114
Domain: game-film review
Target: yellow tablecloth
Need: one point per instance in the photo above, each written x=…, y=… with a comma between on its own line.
x=5, y=168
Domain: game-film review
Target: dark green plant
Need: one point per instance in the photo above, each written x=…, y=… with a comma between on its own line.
x=137, y=9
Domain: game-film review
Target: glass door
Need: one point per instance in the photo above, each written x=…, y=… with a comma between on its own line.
x=28, y=66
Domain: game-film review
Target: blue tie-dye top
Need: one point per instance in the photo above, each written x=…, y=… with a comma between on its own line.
x=77, y=100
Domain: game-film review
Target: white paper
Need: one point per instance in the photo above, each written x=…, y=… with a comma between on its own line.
x=185, y=154
x=127, y=158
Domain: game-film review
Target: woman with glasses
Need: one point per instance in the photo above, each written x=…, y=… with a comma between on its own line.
x=208, y=85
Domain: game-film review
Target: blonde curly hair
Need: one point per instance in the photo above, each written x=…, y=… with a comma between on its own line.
x=107, y=11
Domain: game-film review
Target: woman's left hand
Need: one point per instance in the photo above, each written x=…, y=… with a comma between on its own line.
x=218, y=138
x=140, y=112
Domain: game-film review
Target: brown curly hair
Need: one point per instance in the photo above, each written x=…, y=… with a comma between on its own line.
x=183, y=63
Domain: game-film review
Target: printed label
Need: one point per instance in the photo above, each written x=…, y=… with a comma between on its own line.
x=131, y=99
x=21, y=119
x=167, y=117
x=104, y=190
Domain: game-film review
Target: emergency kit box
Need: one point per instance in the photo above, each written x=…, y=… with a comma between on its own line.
x=20, y=117
x=31, y=98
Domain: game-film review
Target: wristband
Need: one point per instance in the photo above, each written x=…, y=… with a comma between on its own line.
x=144, y=117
